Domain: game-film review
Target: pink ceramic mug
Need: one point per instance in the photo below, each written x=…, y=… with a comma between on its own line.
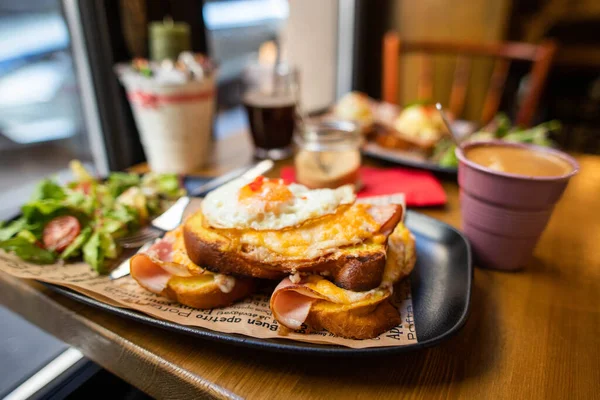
x=504, y=214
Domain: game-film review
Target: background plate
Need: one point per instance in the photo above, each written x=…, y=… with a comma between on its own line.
x=441, y=290
x=405, y=158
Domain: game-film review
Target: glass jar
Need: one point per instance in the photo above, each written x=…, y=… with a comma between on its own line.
x=329, y=154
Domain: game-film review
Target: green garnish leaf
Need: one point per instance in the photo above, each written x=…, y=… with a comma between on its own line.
x=12, y=228
x=118, y=182
x=48, y=189
x=74, y=249
x=28, y=251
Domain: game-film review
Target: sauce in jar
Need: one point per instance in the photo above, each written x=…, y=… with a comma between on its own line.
x=329, y=154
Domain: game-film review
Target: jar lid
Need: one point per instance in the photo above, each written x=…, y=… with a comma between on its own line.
x=329, y=135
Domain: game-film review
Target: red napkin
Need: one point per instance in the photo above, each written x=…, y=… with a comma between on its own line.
x=421, y=188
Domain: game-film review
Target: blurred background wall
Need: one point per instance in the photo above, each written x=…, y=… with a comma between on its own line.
x=310, y=41
x=474, y=20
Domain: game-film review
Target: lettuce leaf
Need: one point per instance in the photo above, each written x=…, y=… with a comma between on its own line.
x=166, y=185
x=449, y=159
x=92, y=252
x=118, y=182
x=108, y=245
x=74, y=248
x=97, y=249
x=10, y=229
x=48, y=189
x=43, y=209
x=28, y=251
x=27, y=235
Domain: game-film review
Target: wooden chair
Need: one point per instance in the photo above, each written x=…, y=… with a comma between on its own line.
x=541, y=57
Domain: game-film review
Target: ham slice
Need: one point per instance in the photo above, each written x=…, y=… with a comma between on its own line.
x=153, y=269
x=162, y=249
x=291, y=302
x=148, y=273
x=386, y=216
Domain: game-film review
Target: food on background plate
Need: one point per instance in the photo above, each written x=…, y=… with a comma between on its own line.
x=416, y=127
x=420, y=125
x=85, y=217
x=165, y=269
x=347, y=255
x=356, y=106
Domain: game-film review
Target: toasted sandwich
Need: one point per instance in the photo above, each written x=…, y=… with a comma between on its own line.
x=338, y=259
x=303, y=231
x=318, y=304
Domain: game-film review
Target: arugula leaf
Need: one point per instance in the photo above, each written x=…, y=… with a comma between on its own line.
x=74, y=248
x=28, y=251
x=48, y=189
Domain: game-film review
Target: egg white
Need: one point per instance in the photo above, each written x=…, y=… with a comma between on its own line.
x=221, y=208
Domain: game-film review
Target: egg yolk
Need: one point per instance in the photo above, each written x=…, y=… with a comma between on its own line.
x=265, y=195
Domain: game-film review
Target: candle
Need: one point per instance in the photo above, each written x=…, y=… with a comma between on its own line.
x=168, y=39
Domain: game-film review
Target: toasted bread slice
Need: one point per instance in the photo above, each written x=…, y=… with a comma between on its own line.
x=318, y=304
x=358, y=266
x=364, y=323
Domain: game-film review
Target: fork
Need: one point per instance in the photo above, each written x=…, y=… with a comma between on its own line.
x=171, y=218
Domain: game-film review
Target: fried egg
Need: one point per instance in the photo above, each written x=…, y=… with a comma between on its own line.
x=270, y=204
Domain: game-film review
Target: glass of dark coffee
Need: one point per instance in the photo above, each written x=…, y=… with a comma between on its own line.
x=271, y=100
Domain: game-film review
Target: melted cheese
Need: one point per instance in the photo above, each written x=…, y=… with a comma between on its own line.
x=179, y=252
x=400, y=255
x=322, y=236
x=337, y=295
x=224, y=282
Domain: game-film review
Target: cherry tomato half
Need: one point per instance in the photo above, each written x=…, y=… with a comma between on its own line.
x=60, y=232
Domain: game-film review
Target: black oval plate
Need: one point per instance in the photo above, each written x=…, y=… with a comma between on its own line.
x=441, y=291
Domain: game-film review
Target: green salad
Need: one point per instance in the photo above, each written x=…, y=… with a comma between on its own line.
x=84, y=218
x=500, y=128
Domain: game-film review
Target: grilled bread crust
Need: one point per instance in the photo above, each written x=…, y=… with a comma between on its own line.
x=357, y=268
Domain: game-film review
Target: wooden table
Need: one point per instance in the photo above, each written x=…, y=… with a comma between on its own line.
x=532, y=334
